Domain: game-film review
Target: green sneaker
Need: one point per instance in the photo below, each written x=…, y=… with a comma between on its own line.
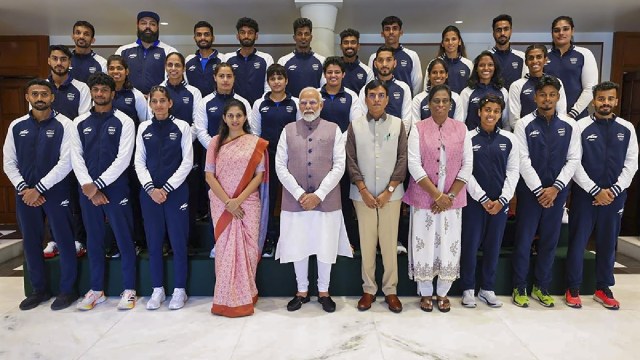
x=520, y=297
x=542, y=295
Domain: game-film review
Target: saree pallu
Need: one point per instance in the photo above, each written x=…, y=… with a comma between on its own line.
x=238, y=241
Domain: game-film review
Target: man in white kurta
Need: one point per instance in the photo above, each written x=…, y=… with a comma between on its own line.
x=310, y=160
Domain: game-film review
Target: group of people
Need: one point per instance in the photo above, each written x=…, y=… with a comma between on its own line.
x=153, y=132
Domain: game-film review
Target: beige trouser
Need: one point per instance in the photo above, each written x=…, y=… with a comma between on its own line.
x=380, y=224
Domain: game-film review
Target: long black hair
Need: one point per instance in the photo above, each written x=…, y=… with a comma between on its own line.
x=496, y=79
x=223, y=130
x=462, y=51
x=127, y=83
x=433, y=63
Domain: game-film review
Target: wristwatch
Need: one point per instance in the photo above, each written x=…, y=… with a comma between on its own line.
x=391, y=188
x=451, y=195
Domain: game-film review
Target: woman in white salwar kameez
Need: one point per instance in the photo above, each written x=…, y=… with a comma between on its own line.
x=440, y=163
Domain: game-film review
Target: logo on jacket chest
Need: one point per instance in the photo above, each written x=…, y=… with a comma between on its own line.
x=515, y=65
x=528, y=91
x=235, y=66
x=156, y=56
x=315, y=67
x=503, y=147
x=343, y=100
x=360, y=76
x=185, y=100
x=71, y=96
x=475, y=100
x=50, y=133
x=256, y=65
x=173, y=136
x=292, y=67
x=397, y=95
x=463, y=72
x=592, y=137
x=561, y=131
x=191, y=68
x=264, y=109
x=620, y=136
x=213, y=109
x=128, y=100
x=133, y=56
x=87, y=130
x=477, y=147
x=534, y=133
x=147, y=136
x=573, y=60
x=289, y=108
x=404, y=63
x=111, y=130
x=24, y=132
x=92, y=69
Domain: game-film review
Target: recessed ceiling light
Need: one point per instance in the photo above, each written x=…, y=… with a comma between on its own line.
x=459, y=21
x=164, y=23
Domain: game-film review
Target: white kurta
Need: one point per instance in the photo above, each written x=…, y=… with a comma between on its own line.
x=434, y=239
x=313, y=232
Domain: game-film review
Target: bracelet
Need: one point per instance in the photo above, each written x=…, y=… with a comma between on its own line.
x=438, y=198
x=364, y=188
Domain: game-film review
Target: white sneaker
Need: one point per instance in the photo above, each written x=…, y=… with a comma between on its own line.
x=565, y=215
x=401, y=249
x=91, y=299
x=489, y=297
x=80, y=249
x=178, y=299
x=51, y=250
x=127, y=300
x=468, y=298
x=212, y=254
x=157, y=298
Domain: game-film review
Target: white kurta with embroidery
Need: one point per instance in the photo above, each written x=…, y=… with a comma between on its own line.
x=434, y=239
x=305, y=233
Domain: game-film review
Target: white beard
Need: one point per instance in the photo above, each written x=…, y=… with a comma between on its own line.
x=310, y=117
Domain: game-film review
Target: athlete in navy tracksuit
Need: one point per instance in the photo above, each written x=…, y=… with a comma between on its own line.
x=357, y=74
x=549, y=148
x=251, y=73
x=609, y=162
x=102, y=146
x=37, y=162
x=199, y=66
x=459, y=72
x=71, y=97
x=85, y=62
x=512, y=65
x=492, y=185
x=163, y=159
x=146, y=55
x=209, y=115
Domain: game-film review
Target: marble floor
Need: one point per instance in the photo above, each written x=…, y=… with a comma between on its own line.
x=273, y=333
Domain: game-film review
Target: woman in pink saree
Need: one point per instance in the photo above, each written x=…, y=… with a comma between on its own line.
x=237, y=173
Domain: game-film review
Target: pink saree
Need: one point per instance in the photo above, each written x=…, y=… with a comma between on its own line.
x=238, y=242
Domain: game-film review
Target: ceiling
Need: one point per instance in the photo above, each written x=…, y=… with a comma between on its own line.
x=117, y=17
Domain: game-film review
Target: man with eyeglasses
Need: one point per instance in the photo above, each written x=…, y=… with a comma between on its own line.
x=511, y=60
x=377, y=165
x=310, y=161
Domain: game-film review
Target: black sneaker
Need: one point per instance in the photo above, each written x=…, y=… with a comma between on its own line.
x=328, y=305
x=63, y=301
x=297, y=301
x=34, y=300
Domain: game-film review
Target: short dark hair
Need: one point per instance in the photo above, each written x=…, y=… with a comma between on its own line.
x=180, y=56
x=85, y=24
x=491, y=98
x=501, y=17
x=61, y=48
x=333, y=60
x=535, y=47
x=604, y=86
x=248, y=22
x=39, y=82
x=437, y=88
x=374, y=84
x=161, y=89
x=223, y=65
x=101, y=78
x=548, y=80
x=385, y=48
x=566, y=18
x=301, y=23
x=390, y=20
x=276, y=69
x=349, y=32
x=203, y=23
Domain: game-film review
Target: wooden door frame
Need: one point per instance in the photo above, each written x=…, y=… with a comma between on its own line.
x=624, y=61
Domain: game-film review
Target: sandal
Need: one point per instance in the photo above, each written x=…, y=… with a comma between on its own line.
x=443, y=304
x=426, y=303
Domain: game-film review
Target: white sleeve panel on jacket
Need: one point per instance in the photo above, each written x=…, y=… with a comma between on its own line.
x=268, y=59
x=589, y=79
x=561, y=106
x=142, y=109
x=186, y=165
x=406, y=106
x=464, y=102
x=458, y=114
x=513, y=170
x=140, y=160
x=282, y=159
x=515, y=106
x=630, y=161
x=255, y=118
x=415, y=107
x=416, y=71
x=200, y=122
x=467, y=160
x=125, y=151
x=332, y=179
x=370, y=62
x=574, y=155
x=355, y=111
x=77, y=153
x=528, y=173
x=474, y=189
x=580, y=176
x=102, y=61
x=10, y=158
x=85, y=97
x=63, y=167
x=506, y=125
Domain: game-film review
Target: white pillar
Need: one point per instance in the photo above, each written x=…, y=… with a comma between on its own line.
x=323, y=14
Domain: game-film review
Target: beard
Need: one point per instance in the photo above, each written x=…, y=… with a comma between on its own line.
x=102, y=101
x=148, y=37
x=502, y=40
x=40, y=106
x=204, y=45
x=247, y=42
x=58, y=72
x=604, y=112
x=309, y=117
